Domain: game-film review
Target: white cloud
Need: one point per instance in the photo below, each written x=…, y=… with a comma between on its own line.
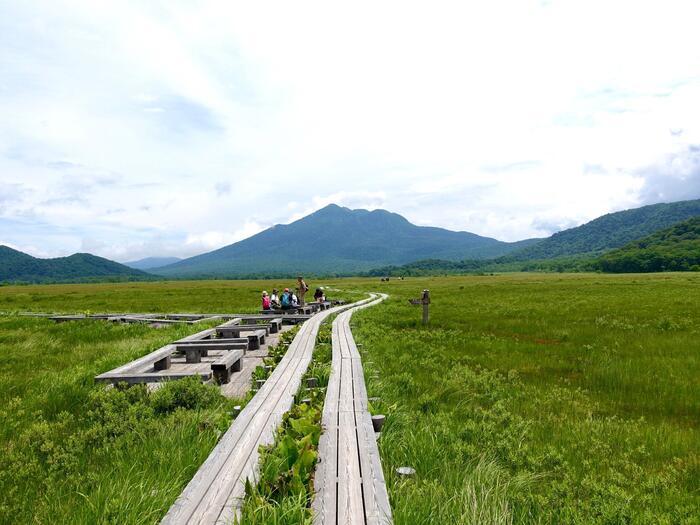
x=168, y=127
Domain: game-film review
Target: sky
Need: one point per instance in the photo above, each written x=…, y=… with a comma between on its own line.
x=131, y=129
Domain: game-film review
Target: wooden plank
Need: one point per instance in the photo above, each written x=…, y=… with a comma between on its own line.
x=214, y=340
x=350, y=508
x=347, y=394
x=360, y=399
x=376, y=498
x=142, y=362
x=227, y=360
x=238, y=344
x=325, y=483
x=150, y=377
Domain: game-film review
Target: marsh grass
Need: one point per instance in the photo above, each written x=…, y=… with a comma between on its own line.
x=75, y=452
x=540, y=398
x=529, y=399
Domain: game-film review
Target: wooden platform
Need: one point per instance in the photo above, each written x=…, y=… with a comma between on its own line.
x=349, y=483
x=216, y=491
x=166, y=363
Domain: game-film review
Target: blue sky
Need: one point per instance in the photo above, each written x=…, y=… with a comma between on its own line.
x=133, y=129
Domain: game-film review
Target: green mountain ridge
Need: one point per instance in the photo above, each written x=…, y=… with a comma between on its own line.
x=16, y=266
x=338, y=241
x=609, y=231
x=673, y=249
x=580, y=248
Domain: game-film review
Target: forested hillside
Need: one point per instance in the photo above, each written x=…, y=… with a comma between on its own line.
x=674, y=249
x=16, y=266
x=610, y=231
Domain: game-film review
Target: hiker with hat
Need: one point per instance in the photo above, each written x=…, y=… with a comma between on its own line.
x=275, y=299
x=266, y=303
x=302, y=288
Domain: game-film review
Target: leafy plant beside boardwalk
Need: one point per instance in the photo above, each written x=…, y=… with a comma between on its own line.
x=283, y=494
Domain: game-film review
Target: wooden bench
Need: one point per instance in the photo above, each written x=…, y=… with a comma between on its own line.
x=210, y=341
x=230, y=362
x=349, y=482
x=275, y=325
x=150, y=368
x=216, y=491
x=150, y=377
x=195, y=351
x=255, y=335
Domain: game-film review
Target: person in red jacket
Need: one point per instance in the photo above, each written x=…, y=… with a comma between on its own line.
x=266, y=304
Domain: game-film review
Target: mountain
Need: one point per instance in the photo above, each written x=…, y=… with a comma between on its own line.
x=151, y=262
x=337, y=241
x=673, y=249
x=613, y=230
x=16, y=266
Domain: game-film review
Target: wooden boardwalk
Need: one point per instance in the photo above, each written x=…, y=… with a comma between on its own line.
x=215, y=493
x=349, y=484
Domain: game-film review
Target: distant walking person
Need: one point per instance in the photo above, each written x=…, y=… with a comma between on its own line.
x=266, y=303
x=302, y=289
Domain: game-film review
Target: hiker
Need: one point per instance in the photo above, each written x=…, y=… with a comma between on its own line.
x=275, y=299
x=302, y=289
x=318, y=295
x=295, y=300
x=266, y=303
x=286, y=301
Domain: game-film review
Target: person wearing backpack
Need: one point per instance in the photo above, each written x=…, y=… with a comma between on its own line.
x=302, y=289
x=286, y=299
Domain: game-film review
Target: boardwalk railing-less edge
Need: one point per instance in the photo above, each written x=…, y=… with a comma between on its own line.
x=216, y=492
x=349, y=483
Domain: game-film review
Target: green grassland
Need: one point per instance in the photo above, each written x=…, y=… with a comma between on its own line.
x=170, y=296
x=540, y=398
x=528, y=399
x=73, y=452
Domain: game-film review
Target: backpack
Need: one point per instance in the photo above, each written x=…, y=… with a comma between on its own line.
x=285, y=299
x=266, y=303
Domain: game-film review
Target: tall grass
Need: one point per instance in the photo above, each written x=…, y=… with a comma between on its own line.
x=540, y=398
x=75, y=452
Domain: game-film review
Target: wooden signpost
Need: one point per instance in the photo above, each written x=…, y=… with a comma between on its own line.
x=425, y=301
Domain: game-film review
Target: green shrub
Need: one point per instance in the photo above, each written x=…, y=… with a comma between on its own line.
x=189, y=393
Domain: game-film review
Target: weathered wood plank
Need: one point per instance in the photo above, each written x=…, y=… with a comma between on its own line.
x=150, y=377
x=350, y=507
x=235, y=344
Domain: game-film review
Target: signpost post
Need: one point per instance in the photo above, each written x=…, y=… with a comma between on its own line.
x=425, y=301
